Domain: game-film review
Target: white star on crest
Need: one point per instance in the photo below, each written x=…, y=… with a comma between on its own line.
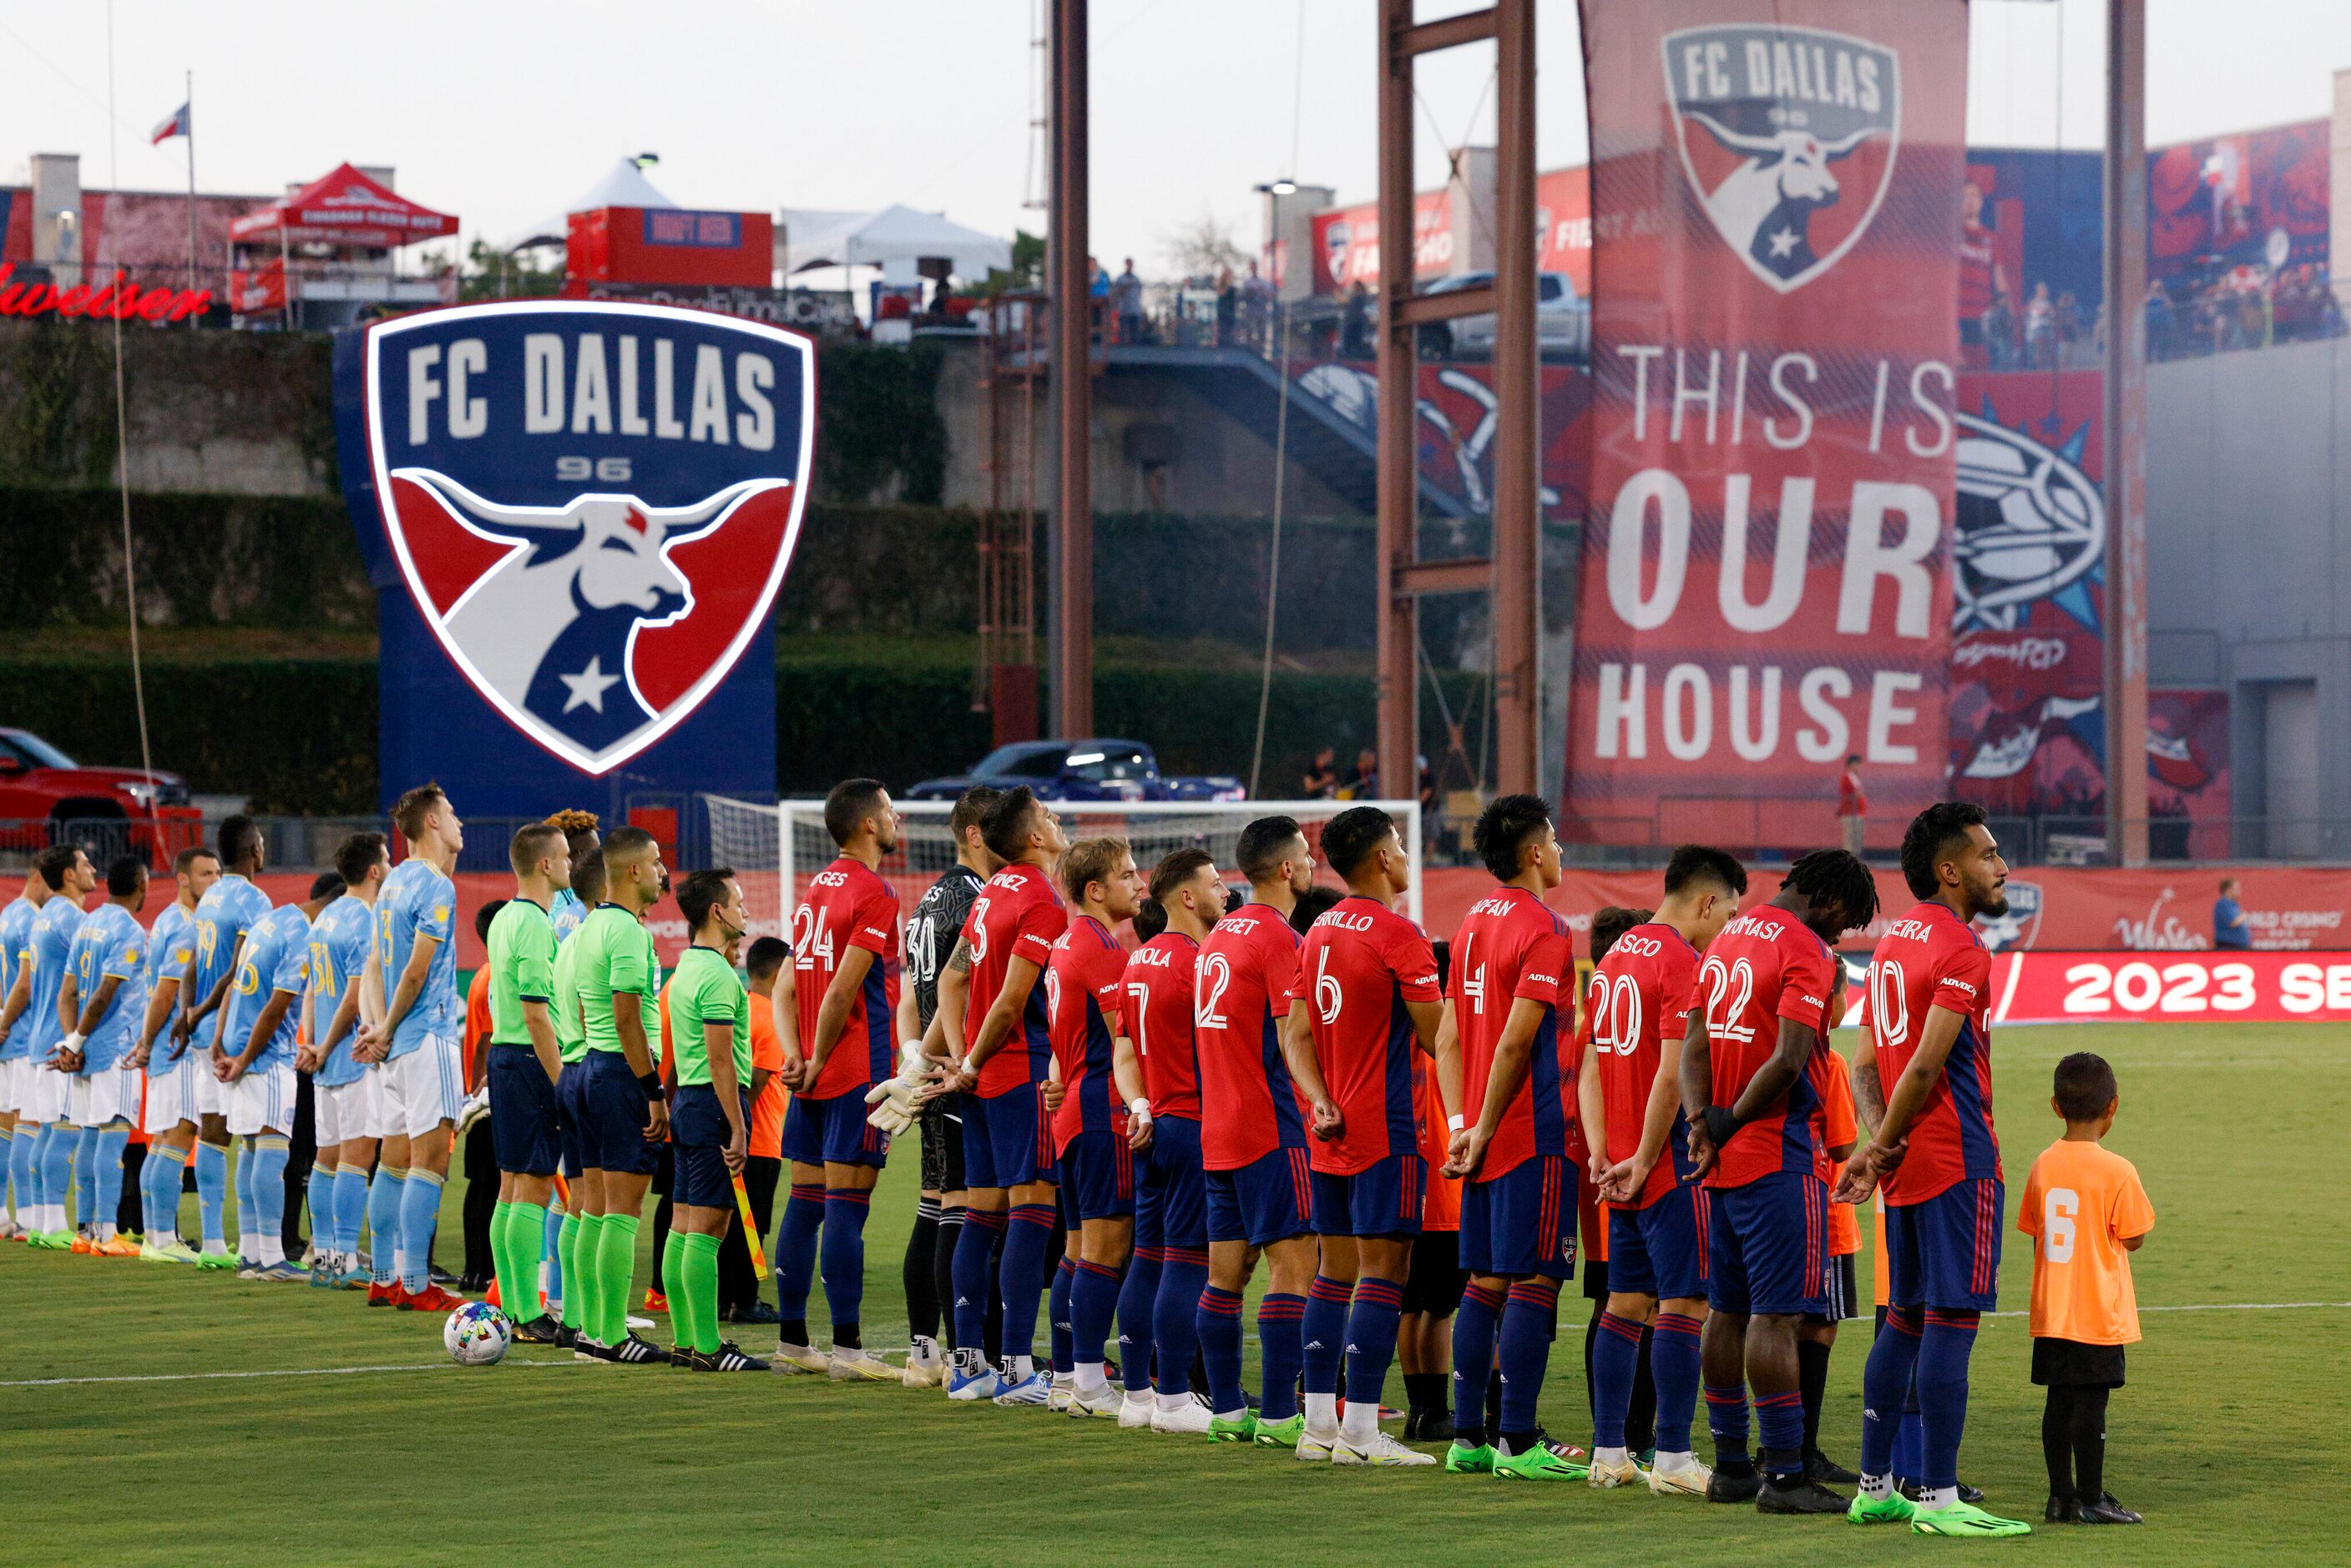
x=588, y=687
x=1784, y=242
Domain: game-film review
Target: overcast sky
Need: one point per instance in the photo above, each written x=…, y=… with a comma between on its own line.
x=502, y=113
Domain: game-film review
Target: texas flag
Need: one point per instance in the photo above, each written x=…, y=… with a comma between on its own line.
x=179, y=123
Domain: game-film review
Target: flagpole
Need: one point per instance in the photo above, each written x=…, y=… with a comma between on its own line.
x=191, y=112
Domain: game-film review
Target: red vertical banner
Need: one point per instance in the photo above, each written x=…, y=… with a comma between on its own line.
x=1766, y=575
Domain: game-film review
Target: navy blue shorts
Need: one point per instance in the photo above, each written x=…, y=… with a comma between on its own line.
x=522, y=1113
x=1659, y=1251
x=1097, y=1172
x=1383, y=1198
x=1768, y=1246
x=1008, y=1140
x=1171, y=1205
x=1945, y=1252
x=570, y=1116
x=1270, y=1199
x=834, y=1131
x=612, y=1118
x=1523, y=1221
x=698, y=1132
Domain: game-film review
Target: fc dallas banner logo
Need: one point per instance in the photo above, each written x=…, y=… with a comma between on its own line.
x=1766, y=586
x=592, y=505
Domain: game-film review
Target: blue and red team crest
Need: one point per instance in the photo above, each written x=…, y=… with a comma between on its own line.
x=1787, y=136
x=591, y=505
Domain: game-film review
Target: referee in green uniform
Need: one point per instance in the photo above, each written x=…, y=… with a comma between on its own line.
x=524, y=1061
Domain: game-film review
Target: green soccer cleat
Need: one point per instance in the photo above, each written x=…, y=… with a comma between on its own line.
x=1282, y=1434
x=1461, y=1459
x=1891, y=1509
x=1965, y=1522
x=1546, y=1462
x=1243, y=1431
x=229, y=1261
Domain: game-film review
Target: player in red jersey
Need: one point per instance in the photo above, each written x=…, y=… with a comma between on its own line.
x=1364, y=997
x=1747, y=1090
x=1631, y=1092
x=1511, y=962
x=1253, y=1139
x=1100, y=1081
x=1007, y=940
x=1159, y=1306
x=1938, y=1159
x=845, y=937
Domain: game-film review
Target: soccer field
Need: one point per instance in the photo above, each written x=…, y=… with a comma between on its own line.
x=151, y=1414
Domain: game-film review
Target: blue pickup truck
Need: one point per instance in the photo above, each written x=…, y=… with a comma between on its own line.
x=1097, y=770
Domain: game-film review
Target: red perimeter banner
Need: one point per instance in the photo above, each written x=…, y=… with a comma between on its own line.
x=1765, y=583
x=2174, y=987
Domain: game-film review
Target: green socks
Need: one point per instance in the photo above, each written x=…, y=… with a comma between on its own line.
x=585, y=1275
x=501, y=1265
x=682, y=1328
x=700, y=1271
x=575, y=1289
x=616, y=1267
x=516, y=1236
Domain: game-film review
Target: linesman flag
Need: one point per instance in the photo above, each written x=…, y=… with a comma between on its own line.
x=179, y=122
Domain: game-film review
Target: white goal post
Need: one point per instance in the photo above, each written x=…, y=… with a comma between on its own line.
x=774, y=848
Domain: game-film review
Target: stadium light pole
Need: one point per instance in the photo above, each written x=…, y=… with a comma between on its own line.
x=2125, y=430
x=1070, y=643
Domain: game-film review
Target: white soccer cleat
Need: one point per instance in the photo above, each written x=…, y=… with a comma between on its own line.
x=857, y=1367
x=792, y=1359
x=1318, y=1448
x=1105, y=1402
x=1382, y=1451
x=1136, y=1410
x=922, y=1373
x=1189, y=1419
x=1606, y=1475
x=971, y=1387
x=1034, y=1389
x=1065, y=1388
x=1689, y=1480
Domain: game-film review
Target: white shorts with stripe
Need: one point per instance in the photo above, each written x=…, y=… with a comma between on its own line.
x=262, y=1101
x=211, y=1095
x=171, y=1100
x=17, y=1084
x=344, y=1111
x=418, y=1091
x=51, y=1089
x=108, y=1095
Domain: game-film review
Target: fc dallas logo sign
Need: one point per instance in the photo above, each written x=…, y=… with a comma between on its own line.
x=592, y=503
x=1787, y=136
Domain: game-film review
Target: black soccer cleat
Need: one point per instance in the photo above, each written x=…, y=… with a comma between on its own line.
x=1437, y=1426
x=1734, y=1484
x=634, y=1351
x=1796, y=1496
x=566, y=1336
x=2061, y=1509
x=1819, y=1466
x=2106, y=1510
x=731, y=1357
x=540, y=1329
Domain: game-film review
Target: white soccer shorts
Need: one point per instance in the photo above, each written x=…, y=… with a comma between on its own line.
x=211, y=1094
x=17, y=1084
x=344, y=1111
x=108, y=1094
x=171, y=1100
x=262, y=1101
x=420, y=1091
x=51, y=1089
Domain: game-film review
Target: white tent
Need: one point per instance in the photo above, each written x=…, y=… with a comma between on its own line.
x=893, y=239
x=624, y=185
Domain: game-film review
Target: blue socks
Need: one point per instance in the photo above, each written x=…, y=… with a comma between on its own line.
x=1674, y=1368
x=1615, y=1357
x=1473, y=1323
x=1524, y=1355
x=973, y=1246
x=212, y=1193
x=1220, y=1330
x=845, y=1209
x=1174, y=1327
x=1370, y=1338
x=1885, y=1388
x=1725, y=1417
x=1280, y=1345
x=106, y=1173
x=1950, y=1338
x=248, y=1223
x=1029, y=1231
x=160, y=1179
x=419, y=1214
x=56, y=1152
x=267, y=1158
x=1780, y=1422
x=1093, y=1297
x=796, y=1240
x=86, y=1196
x=1325, y=1328
x=21, y=1143
x=350, y=1208
x=1059, y=1323
x=318, y=1196
x=384, y=1196
x=1138, y=1316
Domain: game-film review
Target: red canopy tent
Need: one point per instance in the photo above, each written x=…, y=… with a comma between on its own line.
x=344, y=207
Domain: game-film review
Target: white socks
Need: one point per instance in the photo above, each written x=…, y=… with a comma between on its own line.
x=1877, y=1489
x=1322, y=1412
x=1175, y=1401
x=273, y=1249
x=1091, y=1376
x=1938, y=1498
x=215, y=1248
x=1024, y=1367
x=1616, y=1456
x=1360, y=1424
x=1673, y=1464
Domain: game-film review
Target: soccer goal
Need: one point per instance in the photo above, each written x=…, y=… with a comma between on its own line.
x=774, y=848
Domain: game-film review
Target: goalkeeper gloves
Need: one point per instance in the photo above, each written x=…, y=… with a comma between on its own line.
x=896, y=1101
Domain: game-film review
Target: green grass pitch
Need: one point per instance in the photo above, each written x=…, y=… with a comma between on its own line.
x=2227, y=1437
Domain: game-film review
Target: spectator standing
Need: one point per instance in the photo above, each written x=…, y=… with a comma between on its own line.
x=2230, y=929
x=1098, y=291
x=2000, y=332
x=1355, y=323
x=1257, y=309
x=1852, y=805
x=1126, y=294
x=1363, y=781
x=1228, y=304
x=2158, y=320
x=1321, y=780
x=2040, y=330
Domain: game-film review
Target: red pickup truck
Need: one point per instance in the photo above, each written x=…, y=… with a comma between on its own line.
x=46, y=798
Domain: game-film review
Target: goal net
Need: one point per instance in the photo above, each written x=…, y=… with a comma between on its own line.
x=775, y=848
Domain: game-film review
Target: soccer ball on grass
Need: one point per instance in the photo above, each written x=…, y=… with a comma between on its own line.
x=477, y=1335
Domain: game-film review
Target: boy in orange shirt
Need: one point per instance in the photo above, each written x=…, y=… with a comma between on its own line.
x=2086, y=1213
x=738, y=1285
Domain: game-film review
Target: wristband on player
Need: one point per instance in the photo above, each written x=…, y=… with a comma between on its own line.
x=72, y=1042
x=1139, y=1106
x=1453, y=1123
x=652, y=1084
x=1720, y=1125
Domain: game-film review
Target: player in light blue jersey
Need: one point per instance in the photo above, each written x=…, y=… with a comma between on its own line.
x=15, y=1070
x=567, y=909
x=421, y=1084
x=104, y=996
x=341, y=941
x=31, y=1022
x=256, y=1043
x=171, y=1115
x=223, y=915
